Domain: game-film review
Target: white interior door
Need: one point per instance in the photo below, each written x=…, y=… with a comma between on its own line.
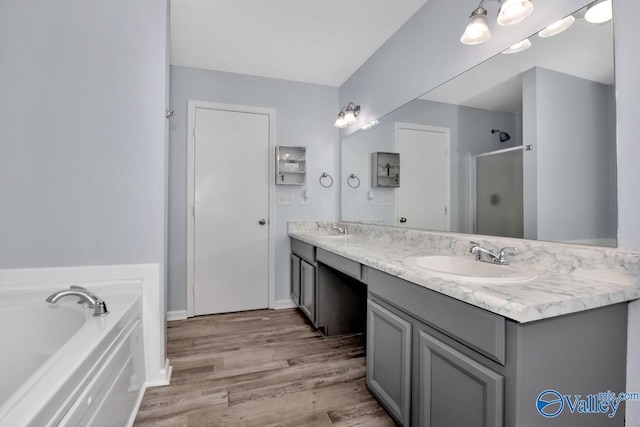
x=422, y=200
x=231, y=200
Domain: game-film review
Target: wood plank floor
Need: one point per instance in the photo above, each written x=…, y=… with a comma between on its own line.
x=261, y=368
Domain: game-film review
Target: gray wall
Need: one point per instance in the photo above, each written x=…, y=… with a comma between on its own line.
x=356, y=159
x=82, y=132
x=304, y=116
x=470, y=135
x=572, y=147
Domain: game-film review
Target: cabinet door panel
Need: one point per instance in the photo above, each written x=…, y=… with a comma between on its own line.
x=389, y=360
x=455, y=390
x=295, y=279
x=308, y=290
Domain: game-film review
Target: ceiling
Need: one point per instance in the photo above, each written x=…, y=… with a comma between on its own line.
x=321, y=42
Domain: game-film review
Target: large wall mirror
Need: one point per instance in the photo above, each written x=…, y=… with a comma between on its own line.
x=523, y=145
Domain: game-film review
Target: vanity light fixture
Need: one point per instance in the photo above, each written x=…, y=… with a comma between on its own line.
x=557, y=27
x=518, y=47
x=514, y=11
x=599, y=12
x=347, y=116
x=510, y=13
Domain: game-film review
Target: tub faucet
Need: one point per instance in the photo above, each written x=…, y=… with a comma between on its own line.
x=93, y=301
x=495, y=258
x=341, y=230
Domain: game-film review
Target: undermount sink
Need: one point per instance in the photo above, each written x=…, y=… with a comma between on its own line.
x=469, y=269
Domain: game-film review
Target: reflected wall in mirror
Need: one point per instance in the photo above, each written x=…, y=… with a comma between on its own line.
x=523, y=145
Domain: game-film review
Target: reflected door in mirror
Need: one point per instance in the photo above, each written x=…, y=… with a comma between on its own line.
x=422, y=200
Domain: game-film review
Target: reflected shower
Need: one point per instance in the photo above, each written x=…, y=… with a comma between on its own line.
x=504, y=137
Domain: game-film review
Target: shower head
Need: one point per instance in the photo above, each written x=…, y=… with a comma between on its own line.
x=504, y=137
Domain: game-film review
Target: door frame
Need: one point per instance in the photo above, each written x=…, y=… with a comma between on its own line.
x=447, y=133
x=192, y=105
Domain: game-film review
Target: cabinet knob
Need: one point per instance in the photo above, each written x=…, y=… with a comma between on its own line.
x=403, y=220
x=262, y=221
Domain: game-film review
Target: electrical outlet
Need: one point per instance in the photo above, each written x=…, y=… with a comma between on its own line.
x=384, y=200
x=286, y=199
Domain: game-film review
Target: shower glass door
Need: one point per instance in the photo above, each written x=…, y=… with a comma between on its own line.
x=499, y=209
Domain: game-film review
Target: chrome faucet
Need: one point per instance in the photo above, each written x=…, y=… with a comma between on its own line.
x=93, y=301
x=341, y=230
x=493, y=257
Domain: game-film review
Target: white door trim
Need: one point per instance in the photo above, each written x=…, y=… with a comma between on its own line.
x=191, y=120
x=447, y=134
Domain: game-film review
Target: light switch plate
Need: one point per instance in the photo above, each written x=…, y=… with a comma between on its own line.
x=384, y=200
x=286, y=199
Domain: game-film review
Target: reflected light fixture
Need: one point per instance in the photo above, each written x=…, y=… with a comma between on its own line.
x=347, y=116
x=513, y=11
x=370, y=125
x=518, y=47
x=557, y=27
x=477, y=30
x=599, y=12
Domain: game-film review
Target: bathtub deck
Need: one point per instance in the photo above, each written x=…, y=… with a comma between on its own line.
x=261, y=368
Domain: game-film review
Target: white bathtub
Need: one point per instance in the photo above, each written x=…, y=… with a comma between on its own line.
x=59, y=365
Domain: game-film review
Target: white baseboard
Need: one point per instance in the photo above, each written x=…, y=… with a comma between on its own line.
x=163, y=377
x=176, y=315
x=285, y=303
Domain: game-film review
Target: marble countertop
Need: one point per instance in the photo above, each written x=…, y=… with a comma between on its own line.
x=553, y=292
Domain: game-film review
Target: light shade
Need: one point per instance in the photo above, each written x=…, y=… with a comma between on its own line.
x=349, y=115
x=477, y=30
x=518, y=47
x=340, y=121
x=557, y=27
x=514, y=11
x=599, y=12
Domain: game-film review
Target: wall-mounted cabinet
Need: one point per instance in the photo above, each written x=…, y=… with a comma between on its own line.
x=291, y=165
x=385, y=169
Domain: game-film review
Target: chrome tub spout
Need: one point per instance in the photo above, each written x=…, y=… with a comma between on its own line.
x=93, y=301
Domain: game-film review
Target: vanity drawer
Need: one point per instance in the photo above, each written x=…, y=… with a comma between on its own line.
x=303, y=250
x=477, y=328
x=342, y=264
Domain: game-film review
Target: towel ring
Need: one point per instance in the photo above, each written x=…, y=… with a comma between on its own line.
x=325, y=175
x=353, y=176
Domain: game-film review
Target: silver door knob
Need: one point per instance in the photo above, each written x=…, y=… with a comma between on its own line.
x=403, y=219
x=262, y=221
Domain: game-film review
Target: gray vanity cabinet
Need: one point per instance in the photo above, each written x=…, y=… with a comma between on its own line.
x=308, y=290
x=448, y=381
x=295, y=278
x=389, y=360
x=304, y=278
